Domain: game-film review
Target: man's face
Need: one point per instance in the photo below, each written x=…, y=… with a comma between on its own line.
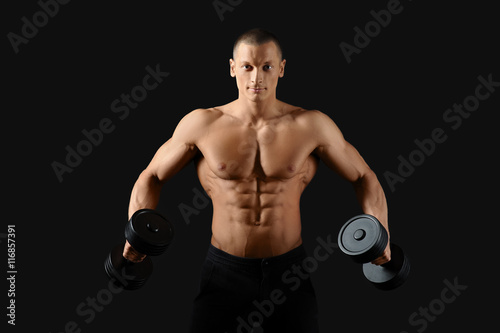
x=257, y=69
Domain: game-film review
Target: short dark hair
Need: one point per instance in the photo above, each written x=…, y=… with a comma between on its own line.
x=257, y=36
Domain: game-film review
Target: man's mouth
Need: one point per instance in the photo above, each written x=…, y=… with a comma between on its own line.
x=256, y=89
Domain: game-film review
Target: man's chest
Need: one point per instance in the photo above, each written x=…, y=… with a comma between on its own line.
x=275, y=151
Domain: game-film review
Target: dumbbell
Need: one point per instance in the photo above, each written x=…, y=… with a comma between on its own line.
x=364, y=239
x=149, y=233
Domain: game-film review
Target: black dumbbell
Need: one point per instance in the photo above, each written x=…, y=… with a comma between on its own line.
x=149, y=233
x=364, y=239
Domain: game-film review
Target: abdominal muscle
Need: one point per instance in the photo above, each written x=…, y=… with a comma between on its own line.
x=255, y=224
x=252, y=217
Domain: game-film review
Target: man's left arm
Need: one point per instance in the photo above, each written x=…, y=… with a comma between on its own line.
x=340, y=156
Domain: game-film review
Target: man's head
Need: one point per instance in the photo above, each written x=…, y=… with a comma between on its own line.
x=257, y=64
x=257, y=36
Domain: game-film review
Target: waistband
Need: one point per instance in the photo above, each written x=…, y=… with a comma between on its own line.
x=255, y=264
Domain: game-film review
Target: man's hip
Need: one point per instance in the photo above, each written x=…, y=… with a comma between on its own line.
x=239, y=294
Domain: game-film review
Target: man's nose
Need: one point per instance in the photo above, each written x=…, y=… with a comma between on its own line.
x=256, y=76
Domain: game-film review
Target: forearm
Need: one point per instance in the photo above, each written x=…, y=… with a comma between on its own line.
x=371, y=197
x=145, y=193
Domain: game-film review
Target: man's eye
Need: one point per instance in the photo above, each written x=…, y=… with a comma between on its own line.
x=267, y=67
x=247, y=66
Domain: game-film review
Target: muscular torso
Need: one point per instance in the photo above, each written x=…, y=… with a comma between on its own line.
x=255, y=174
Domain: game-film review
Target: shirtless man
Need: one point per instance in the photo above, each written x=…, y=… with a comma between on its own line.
x=254, y=157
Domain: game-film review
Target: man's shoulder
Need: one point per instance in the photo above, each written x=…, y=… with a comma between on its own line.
x=309, y=116
x=194, y=124
x=207, y=116
x=294, y=111
x=212, y=112
x=202, y=116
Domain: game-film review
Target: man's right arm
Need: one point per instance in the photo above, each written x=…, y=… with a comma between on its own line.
x=170, y=158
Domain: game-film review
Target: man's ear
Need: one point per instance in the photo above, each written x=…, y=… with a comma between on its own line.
x=282, y=68
x=232, y=64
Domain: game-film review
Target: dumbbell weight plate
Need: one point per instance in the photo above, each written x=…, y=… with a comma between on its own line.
x=149, y=232
x=363, y=238
x=125, y=274
x=391, y=275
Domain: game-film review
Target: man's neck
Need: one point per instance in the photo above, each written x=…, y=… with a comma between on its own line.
x=257, y=111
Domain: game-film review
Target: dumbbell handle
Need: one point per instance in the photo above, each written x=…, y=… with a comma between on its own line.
x=132, y=251
x=388, y=264
x=124, y=262
x=391, y=263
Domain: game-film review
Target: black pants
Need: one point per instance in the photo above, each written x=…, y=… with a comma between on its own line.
x=249, y=295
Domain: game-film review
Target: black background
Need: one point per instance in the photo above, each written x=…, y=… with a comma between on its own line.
x=394, y=91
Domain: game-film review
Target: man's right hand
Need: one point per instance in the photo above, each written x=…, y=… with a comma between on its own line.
x=131, y=254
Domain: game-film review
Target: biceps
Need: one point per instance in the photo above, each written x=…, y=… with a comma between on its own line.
x=170, y=158
x=345, y=160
